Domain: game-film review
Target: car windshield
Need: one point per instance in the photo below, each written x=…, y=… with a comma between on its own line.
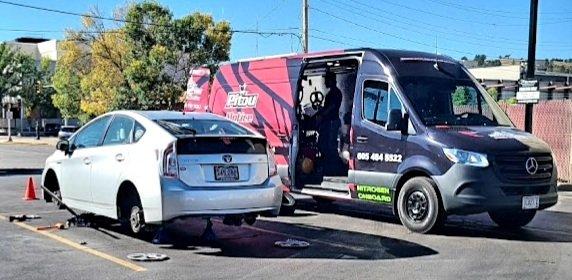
x=69, y=129
x=445, y=94
x=202, y=127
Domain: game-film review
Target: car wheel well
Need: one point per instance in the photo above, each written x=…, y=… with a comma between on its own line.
x=405, y=178
x=51, y=180
x=126, y=192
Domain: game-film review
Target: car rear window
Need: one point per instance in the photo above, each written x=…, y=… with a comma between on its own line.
x=181, y=127
x=220, y=145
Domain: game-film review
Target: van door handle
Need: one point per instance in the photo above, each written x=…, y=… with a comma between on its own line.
x=86, y=161
x=119, y=157
x=361, y=139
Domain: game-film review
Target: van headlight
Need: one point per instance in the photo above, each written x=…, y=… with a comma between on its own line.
x=466, y=157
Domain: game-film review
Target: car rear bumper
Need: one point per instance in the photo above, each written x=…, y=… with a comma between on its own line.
x=179, y=200
x=470, y=190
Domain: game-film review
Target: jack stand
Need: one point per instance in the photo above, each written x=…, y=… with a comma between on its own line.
x=208, y=235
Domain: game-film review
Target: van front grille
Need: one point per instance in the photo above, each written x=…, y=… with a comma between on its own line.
x=525, y=190
x=512, y=168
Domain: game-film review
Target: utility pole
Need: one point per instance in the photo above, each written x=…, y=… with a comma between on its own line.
x=305, y=26
x=531, y=60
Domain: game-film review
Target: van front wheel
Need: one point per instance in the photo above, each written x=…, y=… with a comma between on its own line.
x=418, y=205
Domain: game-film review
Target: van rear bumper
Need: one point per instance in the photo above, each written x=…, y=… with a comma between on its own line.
x=179, y=199
x=471, y=190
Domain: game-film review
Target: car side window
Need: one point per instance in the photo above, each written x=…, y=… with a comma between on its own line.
x=90, y=135
x=120, y=131
x=138, y=132
x=375, y=100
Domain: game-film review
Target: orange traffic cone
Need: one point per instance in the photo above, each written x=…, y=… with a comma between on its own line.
x=30, y=193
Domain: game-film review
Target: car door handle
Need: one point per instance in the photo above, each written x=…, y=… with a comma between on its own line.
x=86, y=161
x=119, y=157
x=361, y=139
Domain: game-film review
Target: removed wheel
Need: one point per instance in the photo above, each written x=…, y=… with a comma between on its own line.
x=512, y=219
x=418, y=205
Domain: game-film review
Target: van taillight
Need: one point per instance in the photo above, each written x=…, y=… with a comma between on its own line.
x=170, y=166
x=272, y=168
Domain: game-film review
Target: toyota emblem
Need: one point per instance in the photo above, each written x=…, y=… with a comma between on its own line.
x=227, y=158
x=531, y=166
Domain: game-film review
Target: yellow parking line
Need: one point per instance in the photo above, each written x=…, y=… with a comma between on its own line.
x=79, y=247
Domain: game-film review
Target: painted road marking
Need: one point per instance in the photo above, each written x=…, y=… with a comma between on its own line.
x=79, y=247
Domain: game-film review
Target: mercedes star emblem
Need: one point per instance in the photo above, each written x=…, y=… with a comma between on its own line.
x=531, y=166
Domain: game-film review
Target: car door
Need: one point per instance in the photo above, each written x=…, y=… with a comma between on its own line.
x=377, y=151
x=110, y=162
x=76, y=168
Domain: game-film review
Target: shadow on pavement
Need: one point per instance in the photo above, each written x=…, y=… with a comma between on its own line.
x=546, y=227
x=258, y=241
x=20, y=171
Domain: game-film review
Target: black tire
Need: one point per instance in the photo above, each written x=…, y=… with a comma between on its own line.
x=512, y=219
x=132, y=217
x=418, y=205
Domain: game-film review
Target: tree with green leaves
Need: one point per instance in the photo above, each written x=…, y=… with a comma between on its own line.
x=142, y=63
x=461, y=96
x=480, y=59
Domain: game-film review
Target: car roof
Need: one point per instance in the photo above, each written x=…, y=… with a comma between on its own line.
x=175, y=115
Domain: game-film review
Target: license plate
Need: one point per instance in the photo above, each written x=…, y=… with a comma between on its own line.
x=226, y=173
x=530, y=202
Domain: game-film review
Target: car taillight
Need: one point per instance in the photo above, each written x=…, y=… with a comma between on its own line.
x=170, y=166
x=272, y=168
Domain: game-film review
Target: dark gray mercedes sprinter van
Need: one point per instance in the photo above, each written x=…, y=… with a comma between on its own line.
x=410, y=130
x=417, y=132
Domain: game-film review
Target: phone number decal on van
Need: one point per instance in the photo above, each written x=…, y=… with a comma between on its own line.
x=373, y=193
x=379, y=157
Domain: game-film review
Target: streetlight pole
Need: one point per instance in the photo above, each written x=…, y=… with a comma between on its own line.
x=530, y=67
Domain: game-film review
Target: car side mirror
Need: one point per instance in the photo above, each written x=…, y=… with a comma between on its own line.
x=63, y=145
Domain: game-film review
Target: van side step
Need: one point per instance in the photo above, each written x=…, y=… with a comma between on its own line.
x=326, y=193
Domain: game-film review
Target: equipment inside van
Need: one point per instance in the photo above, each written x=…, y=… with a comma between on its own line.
x=410, y=130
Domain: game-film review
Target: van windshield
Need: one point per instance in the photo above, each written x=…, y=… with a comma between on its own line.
x=451, y=97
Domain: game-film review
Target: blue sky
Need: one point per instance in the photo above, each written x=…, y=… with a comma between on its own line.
x=458, y=27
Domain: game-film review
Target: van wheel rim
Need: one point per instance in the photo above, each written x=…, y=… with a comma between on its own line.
x=135, y=219
x=417, y=206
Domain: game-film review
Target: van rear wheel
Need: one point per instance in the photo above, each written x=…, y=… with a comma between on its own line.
x=512, y=219
x=418, y=205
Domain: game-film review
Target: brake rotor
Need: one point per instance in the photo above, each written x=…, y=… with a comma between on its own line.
x=147, y=257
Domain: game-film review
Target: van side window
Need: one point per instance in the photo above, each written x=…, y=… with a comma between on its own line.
x=375, y=101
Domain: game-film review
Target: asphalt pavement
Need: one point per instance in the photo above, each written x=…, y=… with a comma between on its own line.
x=347, y=241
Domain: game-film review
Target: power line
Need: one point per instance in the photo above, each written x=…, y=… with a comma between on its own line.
x=262, y=33
x=423, y=24
x=418, y=31
x=384, y=33
x=462, y=19
x=331, y=41
x=503, y=13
